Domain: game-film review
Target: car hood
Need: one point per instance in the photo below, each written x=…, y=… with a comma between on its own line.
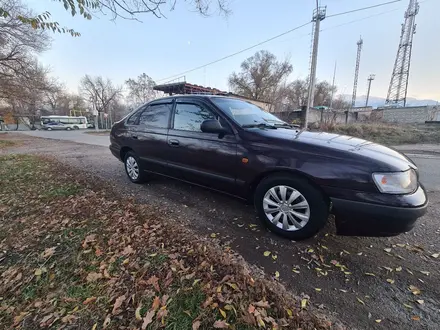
x=391, y=158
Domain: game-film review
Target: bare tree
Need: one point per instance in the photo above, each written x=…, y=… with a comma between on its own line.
x=261, y=77
x=126, y=9
x=99, y=92
x=298, y=91
x=19, y=43
x=140, y=90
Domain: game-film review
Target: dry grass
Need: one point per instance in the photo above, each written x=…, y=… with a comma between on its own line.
x=74, y=256
x=387, y=133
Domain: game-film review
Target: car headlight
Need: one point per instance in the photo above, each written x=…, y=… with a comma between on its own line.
x=396, y=182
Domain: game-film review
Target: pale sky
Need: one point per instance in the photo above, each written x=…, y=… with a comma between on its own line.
x=184, y=40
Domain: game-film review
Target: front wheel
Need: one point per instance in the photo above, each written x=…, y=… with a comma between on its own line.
x=49, y=129
x=290, y=206
x=133, y=168
x=68, y=128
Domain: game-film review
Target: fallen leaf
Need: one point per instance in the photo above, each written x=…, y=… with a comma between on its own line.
x=38, y=272
x=223, y=313
x=342, y=290
x=69, y=319
x=106, y=322
x=156, y=303
x=266, y=253
x=435, y=255
x=196, y=281
x=370, y=274
x=399, y=269
x=48, y=252
x=420, y=301
x=154, y=281
x=289, y=312
x=251, y=309
x=117, y=304
x=221, y=324
x=415, y=290
x=274, y=256
x=260, y=321
x=89, y=300
x=296, y=271
x=95, y=326
x=89, y=239
x=415, y=318
x=233, y=286
x=424, y=272
x=148, y=319
x=303, y=303
x=93, y=277
x=387, y=250
x=277, y=274
x=318, y=289
x=408, y=306
x=213, y=235
x=360, y=301
x=196, y=325
x=388, y=269
x=137, y=313
x=389, y=280
x=378, y=320
x=262, y=304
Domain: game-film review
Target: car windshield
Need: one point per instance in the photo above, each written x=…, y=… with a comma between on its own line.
x=247, y=114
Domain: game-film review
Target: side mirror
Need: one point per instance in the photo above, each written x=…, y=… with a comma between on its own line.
x=212, y=126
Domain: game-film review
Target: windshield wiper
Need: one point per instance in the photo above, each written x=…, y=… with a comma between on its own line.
x=259, y=125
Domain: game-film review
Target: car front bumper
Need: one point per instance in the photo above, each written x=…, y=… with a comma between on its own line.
x=358, y=218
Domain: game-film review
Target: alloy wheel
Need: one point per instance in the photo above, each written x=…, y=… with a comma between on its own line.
x=132, y=168
x=286, y=208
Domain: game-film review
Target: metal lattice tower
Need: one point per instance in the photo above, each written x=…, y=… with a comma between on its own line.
x=356, y=72
x=399, y=80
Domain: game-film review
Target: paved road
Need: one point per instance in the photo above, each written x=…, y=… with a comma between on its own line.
x=75, y=136
x=360, y=280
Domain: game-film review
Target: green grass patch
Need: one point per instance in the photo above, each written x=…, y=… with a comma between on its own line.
x=184, y=307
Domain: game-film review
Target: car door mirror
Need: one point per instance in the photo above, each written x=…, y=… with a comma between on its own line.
x=212, y=126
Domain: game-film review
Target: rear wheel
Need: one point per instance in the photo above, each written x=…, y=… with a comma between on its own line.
x=49, y=129
x=68, y=128
x=75, y=127
x=290, y=206
x=133, y=168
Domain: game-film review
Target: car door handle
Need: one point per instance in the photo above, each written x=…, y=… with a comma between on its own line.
x=134, y=137
x=173, y=143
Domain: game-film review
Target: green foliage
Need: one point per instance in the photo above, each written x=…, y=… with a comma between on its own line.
x=42, y=21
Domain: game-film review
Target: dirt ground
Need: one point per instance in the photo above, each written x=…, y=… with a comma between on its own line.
x=368, y=283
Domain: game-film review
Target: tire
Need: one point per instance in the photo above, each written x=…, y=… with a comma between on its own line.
x=68, y=128
x=310, y=207
x=131, y=161
x=75, y=128
x=49, y=129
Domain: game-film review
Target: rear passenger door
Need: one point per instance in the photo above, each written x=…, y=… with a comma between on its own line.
x=207, y=159
x=149, y=135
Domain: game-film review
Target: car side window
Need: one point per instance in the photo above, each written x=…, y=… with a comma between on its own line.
x=134, y=118
x=156, y=116
x=189, y=116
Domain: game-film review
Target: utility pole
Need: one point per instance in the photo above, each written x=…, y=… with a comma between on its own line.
x=333, y=87
x=370, y=79
x=318, y=16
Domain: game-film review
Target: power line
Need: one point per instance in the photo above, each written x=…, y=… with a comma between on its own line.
x=278, y=36
x=361, y=19
x=364, y=8
x=236, y=53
